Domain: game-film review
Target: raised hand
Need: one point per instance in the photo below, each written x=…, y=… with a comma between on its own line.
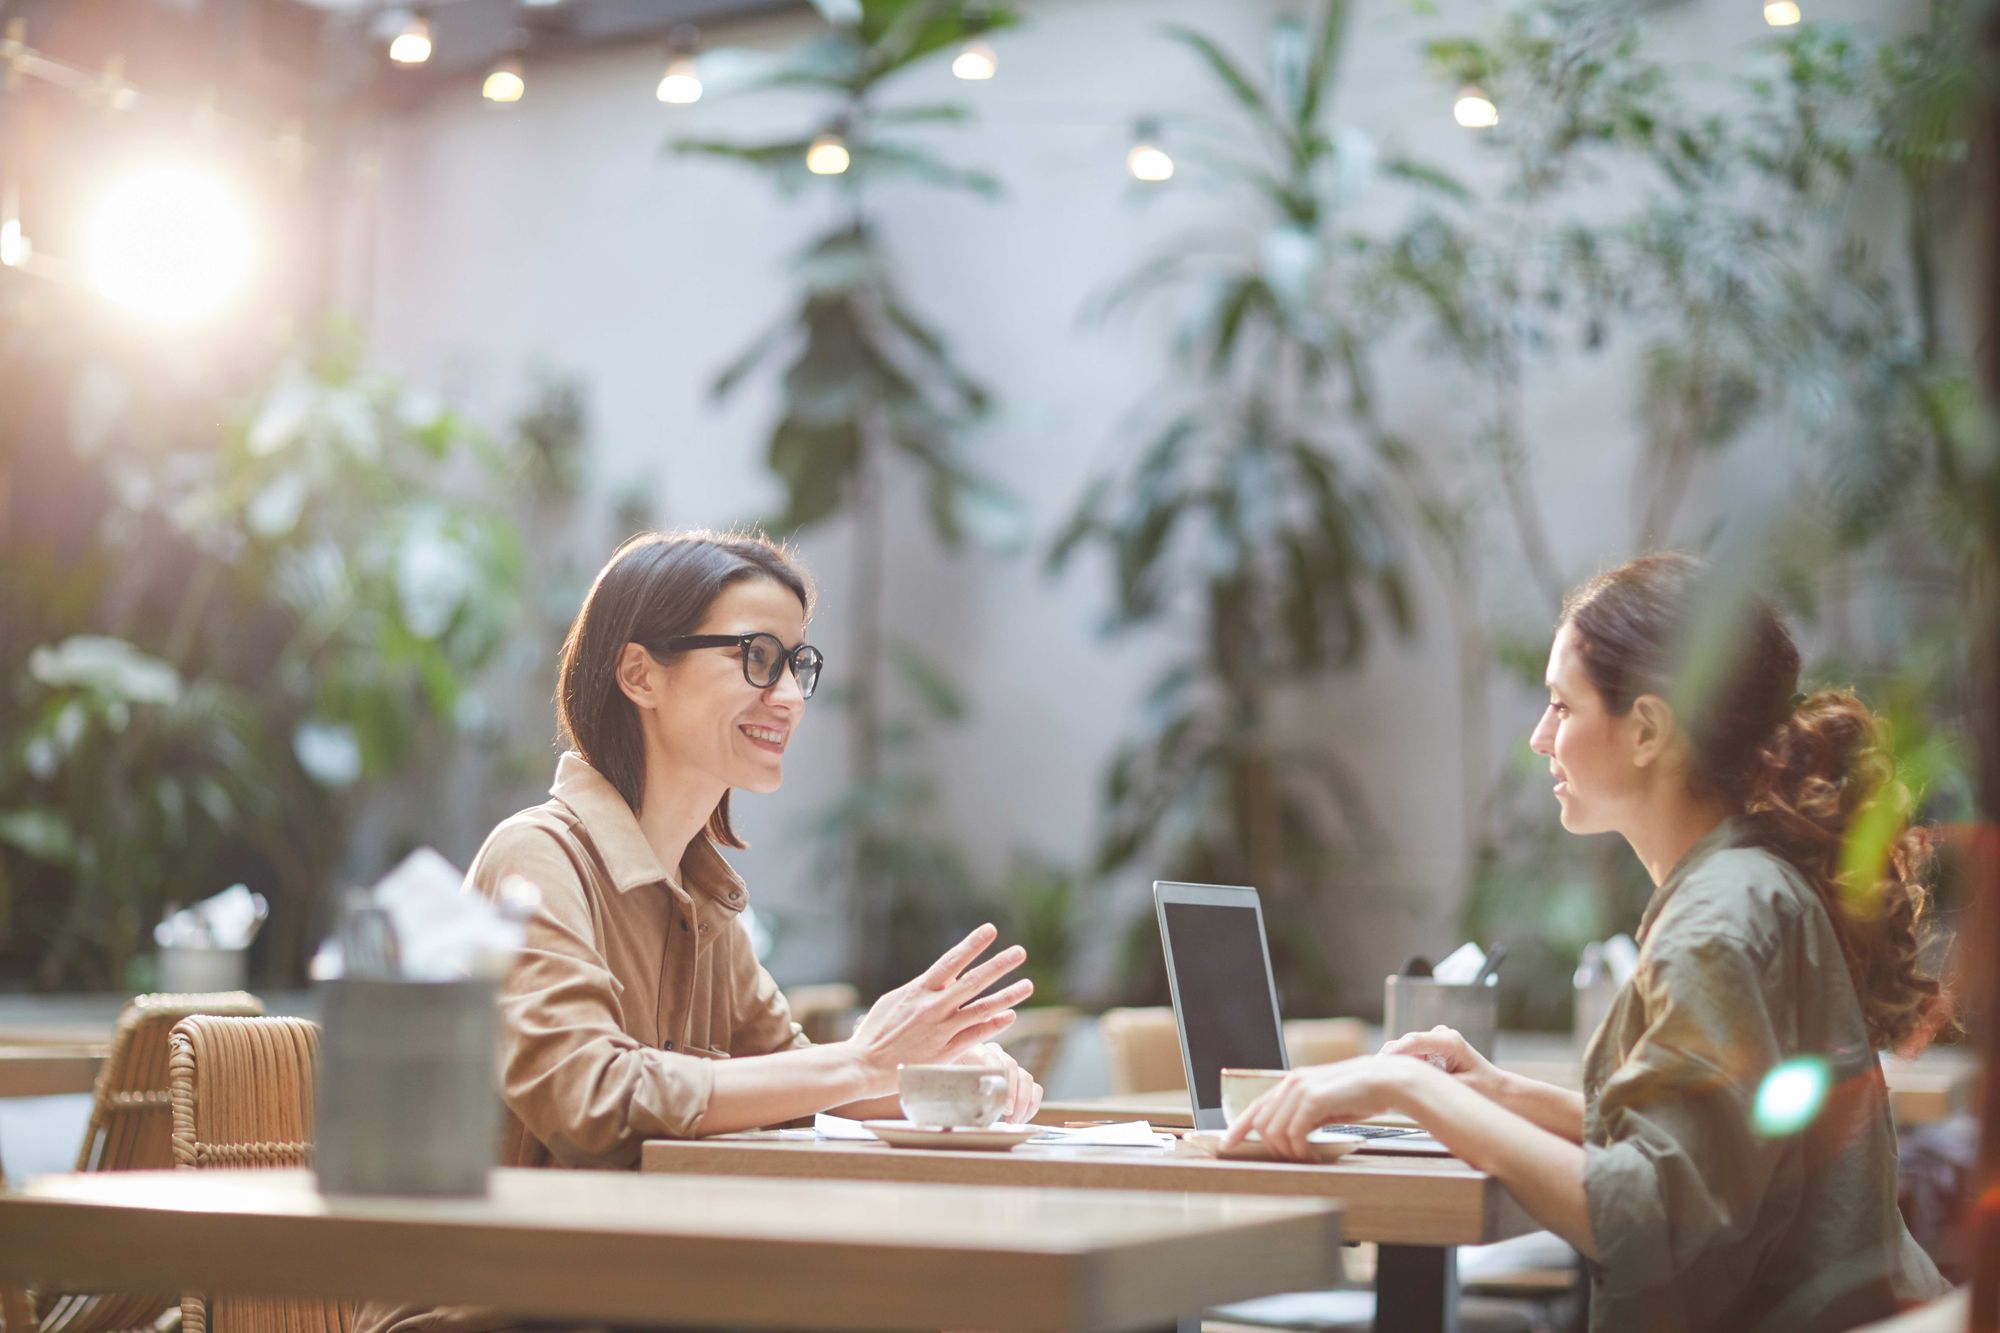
x=940, y=1015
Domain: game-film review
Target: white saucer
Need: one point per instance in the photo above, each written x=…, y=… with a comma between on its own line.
x=994, y=1138
x=1326, y=1147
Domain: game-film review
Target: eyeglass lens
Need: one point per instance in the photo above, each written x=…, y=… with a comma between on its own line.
x=764, y=658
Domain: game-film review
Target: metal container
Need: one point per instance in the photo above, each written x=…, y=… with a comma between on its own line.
x=1418, y=1004
x=193, y=970
x=408, y=1090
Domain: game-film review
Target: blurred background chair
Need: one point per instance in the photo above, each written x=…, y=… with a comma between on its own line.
x=1036, y=1039
x=242, y=1096
x=1143, y=1049
x=130, y=1129
x=1324, y=1041
x=824, y=1011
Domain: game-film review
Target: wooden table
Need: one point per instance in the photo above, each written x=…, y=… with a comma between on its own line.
x=1417, y=1208
x=1922, y=1091
x=38, y=1070
x=618, y=1246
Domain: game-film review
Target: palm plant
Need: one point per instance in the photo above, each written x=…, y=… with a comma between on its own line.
x=1262, y=512
x=871, y=391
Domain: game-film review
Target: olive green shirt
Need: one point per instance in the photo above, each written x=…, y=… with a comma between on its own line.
x=1705, y=1220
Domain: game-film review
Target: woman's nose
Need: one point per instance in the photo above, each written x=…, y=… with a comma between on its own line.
x=785, y=691
x=1541, y=739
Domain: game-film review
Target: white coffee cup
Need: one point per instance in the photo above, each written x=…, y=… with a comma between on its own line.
x=952, y=1096
x=1240, y=1087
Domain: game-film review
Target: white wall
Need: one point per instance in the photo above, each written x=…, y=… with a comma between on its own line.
x=557, y=234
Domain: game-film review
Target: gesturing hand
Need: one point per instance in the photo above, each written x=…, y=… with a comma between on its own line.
x=936, y=1018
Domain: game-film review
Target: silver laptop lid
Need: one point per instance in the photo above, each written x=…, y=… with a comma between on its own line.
x=1219, y=973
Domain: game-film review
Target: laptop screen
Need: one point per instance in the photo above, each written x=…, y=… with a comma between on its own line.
x=1224, y=993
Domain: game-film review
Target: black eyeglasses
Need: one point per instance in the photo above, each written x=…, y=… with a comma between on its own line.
x=764, y=657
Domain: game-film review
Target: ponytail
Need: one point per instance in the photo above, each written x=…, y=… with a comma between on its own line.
x=1825, y=795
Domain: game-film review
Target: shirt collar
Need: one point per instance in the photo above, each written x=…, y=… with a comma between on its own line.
x=1729, y=833
x=620, y=843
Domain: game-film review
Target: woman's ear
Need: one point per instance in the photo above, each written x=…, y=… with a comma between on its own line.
x=1654, y=726
x=635, y=676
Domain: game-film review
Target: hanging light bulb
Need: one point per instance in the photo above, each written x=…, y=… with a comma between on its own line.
x=505, y=83
x=412, y=45
x=1474, y=109
x=975, y=62
x=828, y=155
x=681, y=84
x=1782, y=13
x=1147, y=160
x=14, y=247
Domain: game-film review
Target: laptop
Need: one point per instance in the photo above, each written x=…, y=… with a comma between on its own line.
x=1226, y=1000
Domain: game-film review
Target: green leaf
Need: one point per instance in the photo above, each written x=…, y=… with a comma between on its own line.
x=41, y=833
x=934, y=688
x=1239, y=85
x=817, y=462
x=1325, y=60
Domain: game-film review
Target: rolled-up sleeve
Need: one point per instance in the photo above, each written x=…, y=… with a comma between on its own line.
x=571, y=1073
x=1680, y=1169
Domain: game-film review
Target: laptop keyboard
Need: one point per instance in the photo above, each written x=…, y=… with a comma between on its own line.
x=1371, y=1131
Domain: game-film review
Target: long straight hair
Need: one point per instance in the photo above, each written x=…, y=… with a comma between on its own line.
x=656, y=586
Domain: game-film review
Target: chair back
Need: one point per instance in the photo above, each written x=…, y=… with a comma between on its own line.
x=243, y=1097
x=130, y=1129
x=1144, y=1049
x=1036, y=1037
x=824, y=1011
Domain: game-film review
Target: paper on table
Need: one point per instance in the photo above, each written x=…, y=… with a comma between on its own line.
x=839, y=1127
x=1125, y=1134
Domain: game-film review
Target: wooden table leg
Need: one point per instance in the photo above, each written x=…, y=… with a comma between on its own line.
x=1416, y=1289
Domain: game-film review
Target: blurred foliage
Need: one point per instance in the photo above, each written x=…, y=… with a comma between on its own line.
x=215, y=635
x=873, y=400
x=1778, y=265
x=1264, y=511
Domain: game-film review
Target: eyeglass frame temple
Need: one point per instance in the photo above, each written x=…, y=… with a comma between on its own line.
x=683, y=642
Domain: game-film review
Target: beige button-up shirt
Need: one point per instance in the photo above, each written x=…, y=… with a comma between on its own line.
x=629, y=988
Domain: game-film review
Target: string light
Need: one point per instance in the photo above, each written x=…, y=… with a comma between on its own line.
x=1147, y=160
x=681, y=84
x=412, y=46
x=1782, y=13
x=975, y=62
x=1474, y=109
x=14, y=246
x=505, y=83
x=169, y=243
x=828, y=155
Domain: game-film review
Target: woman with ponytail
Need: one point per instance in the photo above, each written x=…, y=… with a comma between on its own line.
x=1700, y=1170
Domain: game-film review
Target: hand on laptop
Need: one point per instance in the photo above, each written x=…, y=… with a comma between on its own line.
x=1348, y=1091
x=1446, y=1049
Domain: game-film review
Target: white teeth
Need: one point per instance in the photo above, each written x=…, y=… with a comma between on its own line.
x=765, y=734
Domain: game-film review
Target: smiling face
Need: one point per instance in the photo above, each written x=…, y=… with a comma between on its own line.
x=1600, y=761
x=707, y=720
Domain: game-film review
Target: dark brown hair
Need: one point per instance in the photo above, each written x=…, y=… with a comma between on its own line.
x=1802, y=767
x=656, y=586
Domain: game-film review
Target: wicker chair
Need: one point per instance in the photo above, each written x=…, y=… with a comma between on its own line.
x=130, y=1129
x=1144, y=1048
x=1036, y=1038
x=243, y=1097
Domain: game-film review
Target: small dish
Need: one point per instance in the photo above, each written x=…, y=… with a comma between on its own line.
x=994, y=1138
x=1326, y=1147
